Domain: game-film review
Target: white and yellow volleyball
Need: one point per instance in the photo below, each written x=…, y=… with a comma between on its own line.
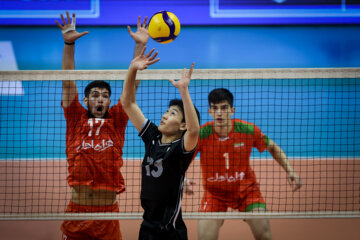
x=164, y=27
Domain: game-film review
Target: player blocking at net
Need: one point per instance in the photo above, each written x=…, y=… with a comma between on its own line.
x=228, y=180
x=170, y=148
x=94, y=142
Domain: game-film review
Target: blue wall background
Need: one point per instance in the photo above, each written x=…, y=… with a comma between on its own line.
x=209, y=47
x=308, y=119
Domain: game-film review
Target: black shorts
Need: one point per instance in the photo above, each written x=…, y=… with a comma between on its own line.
x=150, y=231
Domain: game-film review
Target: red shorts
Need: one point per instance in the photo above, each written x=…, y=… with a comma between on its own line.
x=91, y=229
x=244, y=201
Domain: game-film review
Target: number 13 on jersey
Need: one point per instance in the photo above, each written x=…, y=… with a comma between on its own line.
x=157, y=165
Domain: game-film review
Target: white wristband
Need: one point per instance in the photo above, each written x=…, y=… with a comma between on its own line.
x=71, y=27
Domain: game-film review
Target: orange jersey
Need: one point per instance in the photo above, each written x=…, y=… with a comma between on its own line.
x=94, y=147
x=225, y=163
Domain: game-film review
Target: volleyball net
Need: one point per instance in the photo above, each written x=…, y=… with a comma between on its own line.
x=313, y=114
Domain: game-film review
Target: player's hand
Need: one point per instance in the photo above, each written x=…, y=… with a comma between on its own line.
x=68, y=30
x=184, y=81
x=142, y=61
x=294, y=181
x=142, y=34
x=188, y=186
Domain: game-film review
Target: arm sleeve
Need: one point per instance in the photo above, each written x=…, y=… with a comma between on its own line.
x=187, y=157
x=260, y=139
x=148, y=131
x=73, y=112
x=119, y=116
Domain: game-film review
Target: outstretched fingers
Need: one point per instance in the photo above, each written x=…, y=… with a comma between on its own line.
x=141, y=25
x=143, y=61
x=130, y=31
x=139, y=22
x=73, y=19
x=149, y=53
x=82, y=34
x=191, y=70
x=63, y=19
x=153, y=56
x=58, y=24
x=142, y=53
x=68, y=17
x=188, y=75
x=145, y=21
x=151, y=62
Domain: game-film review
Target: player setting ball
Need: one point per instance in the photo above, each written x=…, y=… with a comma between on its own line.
x=164, y=27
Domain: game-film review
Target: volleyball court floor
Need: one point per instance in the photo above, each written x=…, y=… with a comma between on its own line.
x=328, y=185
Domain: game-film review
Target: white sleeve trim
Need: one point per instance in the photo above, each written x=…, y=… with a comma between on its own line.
x=144, y=127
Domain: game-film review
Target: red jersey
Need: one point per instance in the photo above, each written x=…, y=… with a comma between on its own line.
x=225, y=162
x=94, y=147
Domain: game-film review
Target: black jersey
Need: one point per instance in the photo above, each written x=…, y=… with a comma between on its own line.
x=163, y=172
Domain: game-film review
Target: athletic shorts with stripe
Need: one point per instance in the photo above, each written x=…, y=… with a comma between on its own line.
x=244, y=202
x=91, y=229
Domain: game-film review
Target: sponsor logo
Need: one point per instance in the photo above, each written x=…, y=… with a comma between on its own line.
x=226, y=177
x=240, y=144
x=98, y=147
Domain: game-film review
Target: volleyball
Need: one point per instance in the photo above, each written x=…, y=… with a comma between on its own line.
x=164, y=27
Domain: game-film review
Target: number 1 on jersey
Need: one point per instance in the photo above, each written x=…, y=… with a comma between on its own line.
x=226, y=156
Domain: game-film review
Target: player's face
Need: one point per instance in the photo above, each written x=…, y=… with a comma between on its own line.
x=98, y=102
x=171, y=122
x=221, y=113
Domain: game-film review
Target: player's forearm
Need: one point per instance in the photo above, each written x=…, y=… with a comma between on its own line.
x=191, y=118
x=128, y=100
x=128, y=95
x=68, y=62
x=279, y=155
x=138, y=48
x=69, y=86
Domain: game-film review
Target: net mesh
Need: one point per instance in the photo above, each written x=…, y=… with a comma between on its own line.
x=313, y=114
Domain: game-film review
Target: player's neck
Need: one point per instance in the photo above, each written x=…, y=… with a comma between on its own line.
x=170, y=138
x=223, y=130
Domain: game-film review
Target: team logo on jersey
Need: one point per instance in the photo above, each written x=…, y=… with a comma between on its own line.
x=240, y=144
x=97, y=147
x=226, y=177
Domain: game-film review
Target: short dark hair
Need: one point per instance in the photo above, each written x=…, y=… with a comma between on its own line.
x=221, y=94
x=97, y=84
x=180, y=104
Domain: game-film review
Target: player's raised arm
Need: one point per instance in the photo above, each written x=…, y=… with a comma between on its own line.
x=128, y=98
x=141, y=36
x=191, y=118
x=280, y=156
x=70, y=35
